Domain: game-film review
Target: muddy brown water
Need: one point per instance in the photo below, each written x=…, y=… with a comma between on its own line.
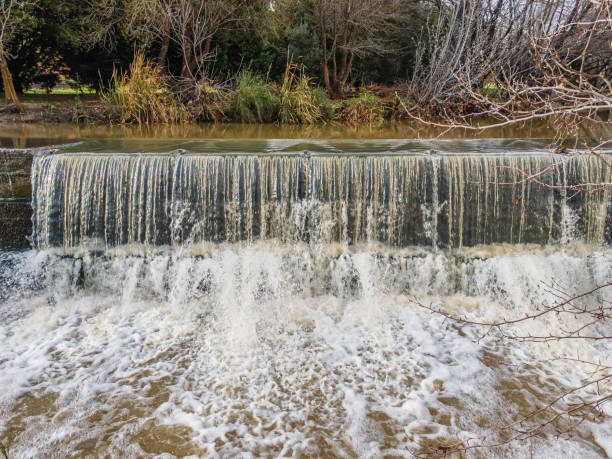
x=278, y=347
x=19, y=135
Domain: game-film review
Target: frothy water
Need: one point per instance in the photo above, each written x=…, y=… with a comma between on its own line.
x=279, y=351
x=211, y=305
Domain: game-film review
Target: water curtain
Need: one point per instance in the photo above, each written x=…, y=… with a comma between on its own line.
x=399, y=200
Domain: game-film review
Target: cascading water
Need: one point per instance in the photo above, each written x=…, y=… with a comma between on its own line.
x=402, y=200
x=181, y=304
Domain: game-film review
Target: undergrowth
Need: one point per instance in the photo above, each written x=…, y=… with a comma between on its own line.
x=365, y=108
x=299, y=101
x=142, y=95
x=254, y=100
x=206, y=101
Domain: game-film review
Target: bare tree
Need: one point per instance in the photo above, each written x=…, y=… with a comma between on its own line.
x=349, y=28
x=190, y=24
x=521, y=61
x=9, y=18
x=469, y=40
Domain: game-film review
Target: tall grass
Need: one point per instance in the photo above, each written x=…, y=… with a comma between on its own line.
x=365, y=108
x=143, y=96
x=254, y=100
x=299, y=102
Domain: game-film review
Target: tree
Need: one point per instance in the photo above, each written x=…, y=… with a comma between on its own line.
x=515, y=61
x=351, y=28
x=11, y=13
x=190, y=25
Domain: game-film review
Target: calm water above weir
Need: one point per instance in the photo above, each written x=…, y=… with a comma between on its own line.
x=36, y=135
x=254, y=293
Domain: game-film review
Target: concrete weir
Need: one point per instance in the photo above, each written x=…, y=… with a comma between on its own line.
x=15, y=198
x=399, y=199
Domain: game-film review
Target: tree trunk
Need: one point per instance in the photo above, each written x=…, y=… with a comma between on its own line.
x=7, y=80
x=163, y=51
x=349, y=67
x=186, y=71
x=187, y=44
x=324, y=62
x=207, y=47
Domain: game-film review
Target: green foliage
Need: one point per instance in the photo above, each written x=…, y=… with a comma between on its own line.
x=304, y=44
x=295, y=101
x=365, y=108
x=143, y=96
x=49, y=41
x=67, y=92
x=52, y=42
x=326, y=105
x=254, y=100
x=237, y=48
x=3, y=451
x=299, y=102
x=32, y=45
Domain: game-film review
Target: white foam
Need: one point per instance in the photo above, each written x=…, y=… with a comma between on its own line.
x=274, y=352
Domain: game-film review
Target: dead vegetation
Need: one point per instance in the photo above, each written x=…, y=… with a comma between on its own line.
x=514, y=62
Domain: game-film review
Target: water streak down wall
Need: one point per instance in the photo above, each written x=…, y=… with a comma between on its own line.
x=103, y=200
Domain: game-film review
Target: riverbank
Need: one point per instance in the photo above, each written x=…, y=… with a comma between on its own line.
x=56, y=109
x=230, y=107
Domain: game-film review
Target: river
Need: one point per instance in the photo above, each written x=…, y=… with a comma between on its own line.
x=251, y=291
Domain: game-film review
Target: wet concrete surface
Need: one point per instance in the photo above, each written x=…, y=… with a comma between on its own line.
x=15, y=199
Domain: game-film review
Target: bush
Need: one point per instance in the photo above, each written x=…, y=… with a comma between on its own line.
x=365, y=108
x=143, y=95
x=254, y=100
x=299, y=102
x=205, y=100
x=327, y=107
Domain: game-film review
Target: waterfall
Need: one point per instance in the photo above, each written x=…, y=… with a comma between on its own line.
x=399, y=200
x=277, y=304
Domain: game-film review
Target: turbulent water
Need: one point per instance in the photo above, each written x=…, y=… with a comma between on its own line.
x=243, y=305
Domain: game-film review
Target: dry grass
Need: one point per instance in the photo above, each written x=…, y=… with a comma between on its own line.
x=143, y=96
x=365, y=108
x=299, y=101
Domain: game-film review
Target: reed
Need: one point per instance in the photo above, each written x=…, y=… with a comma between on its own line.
x=299, y=101
x=254, y=100
x=142, y=95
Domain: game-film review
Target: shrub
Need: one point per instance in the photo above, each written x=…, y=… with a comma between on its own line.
x=254, y=100
x=299, y=103
x=327, y=107
x=205, y=100
x=142, y=96
x=365, y=108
